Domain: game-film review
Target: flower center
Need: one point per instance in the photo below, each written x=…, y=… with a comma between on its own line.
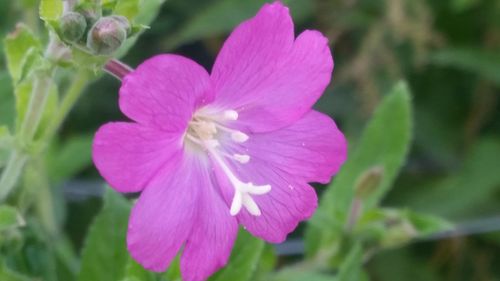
x=204, y=131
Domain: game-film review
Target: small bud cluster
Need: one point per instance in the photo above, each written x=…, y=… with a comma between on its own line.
x=88, y=29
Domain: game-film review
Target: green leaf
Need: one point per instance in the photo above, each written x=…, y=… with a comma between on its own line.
x=352, y=267
x=7, y=107
x=32, y=61
x=173, y=272
x=267, y=263
x=300, y=275
x=20, y=45
x=147, y=13
x=85, y=60
x=108, y=4
x=7, y=274
x=4, y=131
x=104, y=255
x=127, y=8
x=388, y=228
x=22, y=94
x=135, y=272
x=427, y=224
x=33, y=254
x=475, y=185
x=462, y=5
x=50, y=9
x=391, y=265
x=67, y=159
x=9, y=218
x=207, y=23
x=244, y=259
x=5, y=140
x=483, y=63
x=384, y=144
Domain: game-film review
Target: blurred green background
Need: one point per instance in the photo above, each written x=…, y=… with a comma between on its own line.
x=447, y=50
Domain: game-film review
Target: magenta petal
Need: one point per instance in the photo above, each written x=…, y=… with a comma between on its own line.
x=165, y=214
x=289, y=202
x=313, y=148
x=129, y=155
x=164, y=91
x=214, y=231
x=266, y=76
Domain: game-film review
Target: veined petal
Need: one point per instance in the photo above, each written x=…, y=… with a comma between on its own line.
x=164, y=91
x=209, y=245
x=165, y=214
x=129, y=155
x=313, y=148
x=267, y=77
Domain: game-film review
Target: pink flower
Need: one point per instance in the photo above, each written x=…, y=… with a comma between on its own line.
x=212, y=151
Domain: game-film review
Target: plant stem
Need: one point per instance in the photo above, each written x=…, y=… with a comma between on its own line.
x=73, y=93
x=29, y=126
x=117, y=68
x=355, y=211
x=11, y=173
x=38, y=100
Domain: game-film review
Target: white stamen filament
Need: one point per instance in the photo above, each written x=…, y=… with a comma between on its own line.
x=238, y=136
x=242, y=158
x=231, y=115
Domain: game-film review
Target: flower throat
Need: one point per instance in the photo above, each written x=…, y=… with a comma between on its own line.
x=204, y=132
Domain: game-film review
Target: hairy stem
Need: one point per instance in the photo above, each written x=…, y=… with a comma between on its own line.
x=29, y=126
x=117, y=68
x=11, y=173
x=38, y=100
x=355, y=211
x=73, y=93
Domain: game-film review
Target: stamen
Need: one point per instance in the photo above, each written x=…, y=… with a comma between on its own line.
x=203, y=131
x=256, y=189
x=231, y=115
x=193, y=139
x=242, y=158
x=212, y=143
x=238, y=136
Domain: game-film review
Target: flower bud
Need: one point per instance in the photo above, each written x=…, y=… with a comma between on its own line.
x=73, y=26
x=397, y=233
x=123, y=22
x=90, y=12
x=369, y=181
x=106, y=36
